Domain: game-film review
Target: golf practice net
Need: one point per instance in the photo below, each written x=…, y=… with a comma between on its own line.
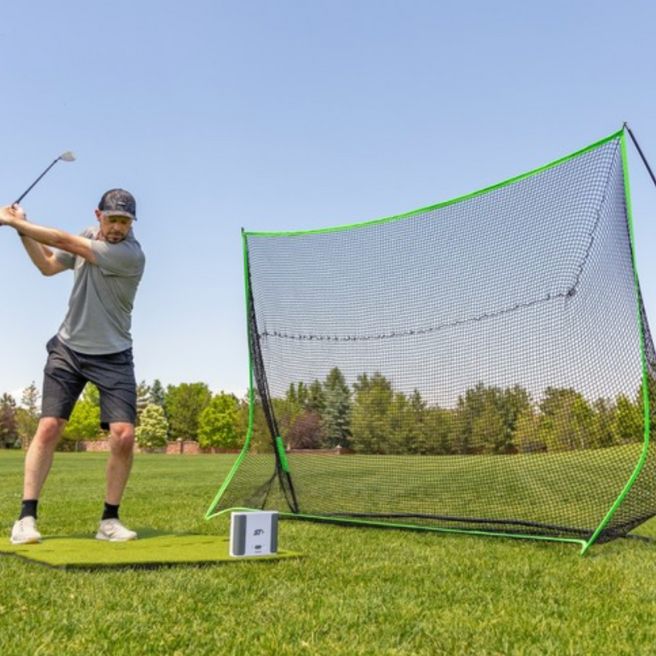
x=481, y=365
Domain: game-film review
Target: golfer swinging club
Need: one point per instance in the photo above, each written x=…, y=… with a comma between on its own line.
x=93, y=344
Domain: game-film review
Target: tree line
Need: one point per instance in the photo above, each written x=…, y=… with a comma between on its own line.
x=189, y=411
x=368, y=416
x=371, y=417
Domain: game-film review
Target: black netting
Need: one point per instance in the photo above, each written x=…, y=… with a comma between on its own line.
x=475, y=365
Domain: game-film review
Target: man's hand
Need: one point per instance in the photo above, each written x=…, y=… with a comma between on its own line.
x=12, y=215
x=37, y=239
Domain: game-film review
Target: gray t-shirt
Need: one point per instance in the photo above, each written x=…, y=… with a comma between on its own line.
x=100, y=308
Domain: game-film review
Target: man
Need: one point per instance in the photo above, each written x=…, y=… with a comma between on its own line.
x=93, y=344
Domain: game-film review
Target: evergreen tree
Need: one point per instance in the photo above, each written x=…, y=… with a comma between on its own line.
x=153, y=428
x=8, y=425
x=30, y=399
x=316, y=399
x=290, y=396
x=298, y=396
x=302, y=394
x=157, y=393
x=27, y=416
x=337, y=412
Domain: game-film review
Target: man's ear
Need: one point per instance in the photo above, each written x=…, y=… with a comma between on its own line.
x=98, y=214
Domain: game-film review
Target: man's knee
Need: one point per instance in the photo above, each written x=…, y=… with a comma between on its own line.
x=121, y=438
x=49, y=430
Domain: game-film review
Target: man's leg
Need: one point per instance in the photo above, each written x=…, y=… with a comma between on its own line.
x=38, y=459
x=62, y=385
x=121, y=444
x=114, y=376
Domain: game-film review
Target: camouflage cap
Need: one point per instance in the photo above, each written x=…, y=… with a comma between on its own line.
x=118, y=202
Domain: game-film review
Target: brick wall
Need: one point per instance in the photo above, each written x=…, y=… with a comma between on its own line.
x=93, y=445
x=185, y=447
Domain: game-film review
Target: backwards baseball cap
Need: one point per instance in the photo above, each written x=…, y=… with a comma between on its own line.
x=118, y=202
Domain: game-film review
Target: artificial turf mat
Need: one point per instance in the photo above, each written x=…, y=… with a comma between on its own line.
x=152, y=550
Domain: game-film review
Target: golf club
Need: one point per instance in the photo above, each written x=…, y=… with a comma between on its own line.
x=64, y=157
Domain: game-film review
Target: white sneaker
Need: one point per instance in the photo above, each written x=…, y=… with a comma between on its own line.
x=113, y=531
x=24, y=531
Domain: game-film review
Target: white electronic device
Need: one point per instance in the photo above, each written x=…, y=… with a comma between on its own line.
x=254, y=533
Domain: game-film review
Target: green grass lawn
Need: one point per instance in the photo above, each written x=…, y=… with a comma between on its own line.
x=357, y=591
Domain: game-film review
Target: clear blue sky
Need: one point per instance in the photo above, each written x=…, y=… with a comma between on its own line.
x=287, y=115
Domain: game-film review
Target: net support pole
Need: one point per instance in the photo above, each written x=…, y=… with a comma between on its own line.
x=642, y=155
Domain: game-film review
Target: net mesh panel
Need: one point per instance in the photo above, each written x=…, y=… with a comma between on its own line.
x=475, y=365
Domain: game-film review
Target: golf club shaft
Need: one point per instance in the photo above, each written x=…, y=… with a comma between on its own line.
x=27, y=191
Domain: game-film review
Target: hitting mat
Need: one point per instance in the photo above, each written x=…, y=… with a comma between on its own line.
x=153, y=550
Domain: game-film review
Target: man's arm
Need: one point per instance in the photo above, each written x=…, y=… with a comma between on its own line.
x=36, y=240
x=42, y=257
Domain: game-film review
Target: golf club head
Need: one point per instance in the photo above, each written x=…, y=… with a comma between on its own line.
x=68, y=156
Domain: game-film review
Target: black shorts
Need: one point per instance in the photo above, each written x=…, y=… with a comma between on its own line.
x=67, y=372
